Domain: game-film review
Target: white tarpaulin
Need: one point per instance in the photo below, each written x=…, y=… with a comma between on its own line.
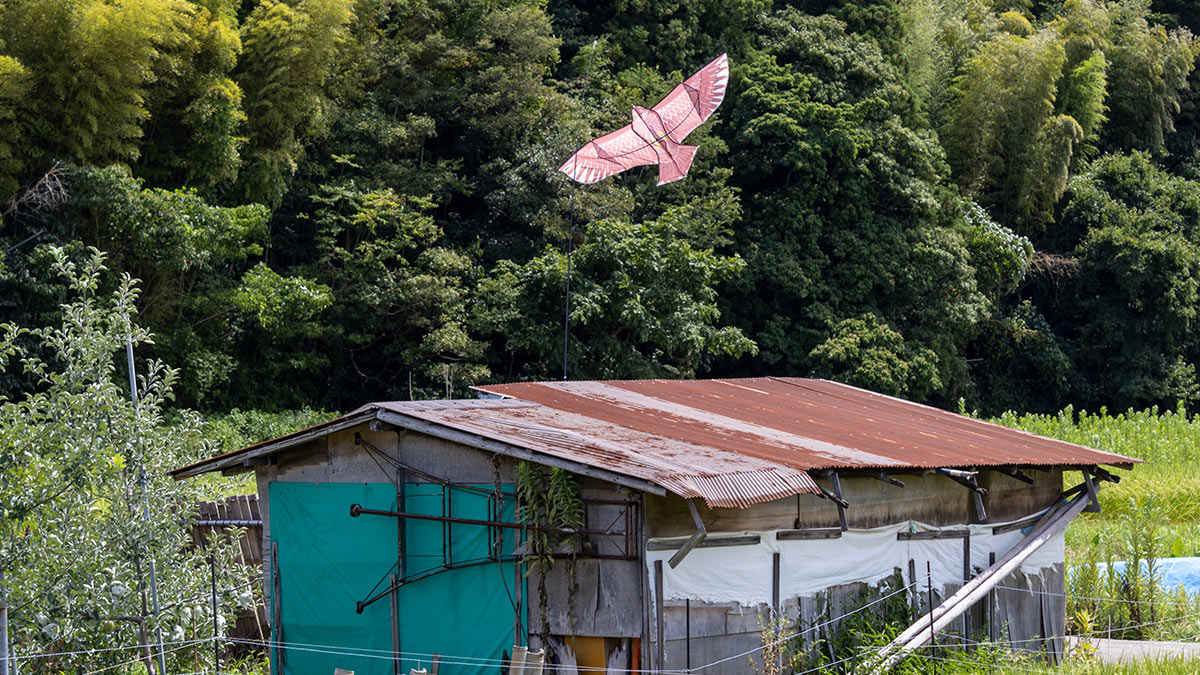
x=743, y=573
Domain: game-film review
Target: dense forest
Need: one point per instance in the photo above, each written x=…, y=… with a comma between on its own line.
x=335, y=201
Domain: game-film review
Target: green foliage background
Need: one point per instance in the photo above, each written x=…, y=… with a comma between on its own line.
x=333, y=201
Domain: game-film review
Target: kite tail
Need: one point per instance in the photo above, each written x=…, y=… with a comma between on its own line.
x=673, y=168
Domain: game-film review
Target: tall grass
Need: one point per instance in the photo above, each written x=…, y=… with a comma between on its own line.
x=1168, y=442
x=1152, y=513
x=1129, y=601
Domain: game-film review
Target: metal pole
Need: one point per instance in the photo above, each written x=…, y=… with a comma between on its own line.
x=3, y=626
x=571, y=232
x=133, y=396
x=212, y=566
x=932, y=635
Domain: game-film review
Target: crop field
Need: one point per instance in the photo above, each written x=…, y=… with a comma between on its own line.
x=1161, y=496
x=1151, y=514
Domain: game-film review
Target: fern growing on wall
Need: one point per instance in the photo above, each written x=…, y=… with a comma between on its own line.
x=549, y=499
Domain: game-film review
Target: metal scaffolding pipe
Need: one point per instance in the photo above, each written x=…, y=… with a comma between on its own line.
x=918, y=634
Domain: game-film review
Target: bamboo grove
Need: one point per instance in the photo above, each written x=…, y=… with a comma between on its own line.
x=332, y=201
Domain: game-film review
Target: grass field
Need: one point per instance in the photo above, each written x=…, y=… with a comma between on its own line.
x=1162, y=495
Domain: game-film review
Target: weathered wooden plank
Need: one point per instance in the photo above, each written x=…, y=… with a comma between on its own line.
x=815, y=533
x=710, y=542
x=933, y=534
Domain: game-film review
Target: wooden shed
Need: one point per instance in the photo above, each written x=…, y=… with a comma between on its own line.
x=395, y=533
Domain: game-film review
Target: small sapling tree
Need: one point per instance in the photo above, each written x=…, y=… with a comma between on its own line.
x=85, y=503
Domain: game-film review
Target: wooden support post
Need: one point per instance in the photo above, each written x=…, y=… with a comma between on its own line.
x=397, y=667
x=658, y=611
x=276, y=612
x=932, y=634
x=966, y=550
x=1093, y=498
x=980, y=512
x=883, y=476
x=775, y=584
x=991, y=603
x=837, y=490
x=644, y=577
x=687, y=627
x=401, y=506
x=967, y=557
x=912, y=580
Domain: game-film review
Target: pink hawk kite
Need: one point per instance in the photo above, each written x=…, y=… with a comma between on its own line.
x=655, y=136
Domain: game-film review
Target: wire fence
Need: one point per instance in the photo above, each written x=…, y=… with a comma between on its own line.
x=479, y=663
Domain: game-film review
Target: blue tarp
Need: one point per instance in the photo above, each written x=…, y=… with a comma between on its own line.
x=1172, y=572
x=328, y=561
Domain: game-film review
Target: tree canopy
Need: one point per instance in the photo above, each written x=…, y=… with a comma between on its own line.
x=329, y=201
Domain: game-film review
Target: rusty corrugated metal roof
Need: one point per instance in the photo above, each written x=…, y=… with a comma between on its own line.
x=732, y=442
x=805, y=424
x=687, y=468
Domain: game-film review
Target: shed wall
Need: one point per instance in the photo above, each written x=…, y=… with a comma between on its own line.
x=609, y=600
x=608, y=595
x=932, y=499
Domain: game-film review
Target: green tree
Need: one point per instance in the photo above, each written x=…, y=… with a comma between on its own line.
x=643, y=300
x=14, y=85
x=195, y=107
x=78, y=464
x=1132, y=304
x=846, y=215
x=1008, y=147
x=398, y=329
x=1149, y=74
x=90, y=65
x=866, y=352
x=673, y=35
x=207, y=296
x=289, y=52
x=1020, y=363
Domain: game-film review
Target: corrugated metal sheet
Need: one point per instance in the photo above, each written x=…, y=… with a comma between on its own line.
x=731, y=442
x=686, y=468
x=805, y=424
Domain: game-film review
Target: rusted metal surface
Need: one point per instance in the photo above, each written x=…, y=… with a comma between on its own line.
x=805, y=424
x=686, y=468
x=734, y=442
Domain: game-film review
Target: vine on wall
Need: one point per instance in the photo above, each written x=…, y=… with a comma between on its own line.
x=549, y=499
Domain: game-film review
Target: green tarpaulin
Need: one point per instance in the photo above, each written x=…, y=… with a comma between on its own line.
x=329, y=561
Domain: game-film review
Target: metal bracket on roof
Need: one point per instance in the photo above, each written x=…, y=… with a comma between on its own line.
x=380, y=425
x=693, y=541
x=1093, y=498
x=836, y=495
x=883, y=476
x=968, y=480
x=1014, y=472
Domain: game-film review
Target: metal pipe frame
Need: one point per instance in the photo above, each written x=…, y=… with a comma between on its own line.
x=356, y=510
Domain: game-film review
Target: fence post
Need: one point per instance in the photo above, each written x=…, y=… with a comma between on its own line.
x=212, y=566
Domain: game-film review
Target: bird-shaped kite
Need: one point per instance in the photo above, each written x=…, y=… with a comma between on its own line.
x=656, y=135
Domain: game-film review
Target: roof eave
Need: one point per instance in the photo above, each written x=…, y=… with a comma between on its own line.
x=489, y=445
x=239, y=458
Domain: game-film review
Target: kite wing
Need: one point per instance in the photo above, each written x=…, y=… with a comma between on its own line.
x=695, y=99
x=680, y=112
x=611, y=153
